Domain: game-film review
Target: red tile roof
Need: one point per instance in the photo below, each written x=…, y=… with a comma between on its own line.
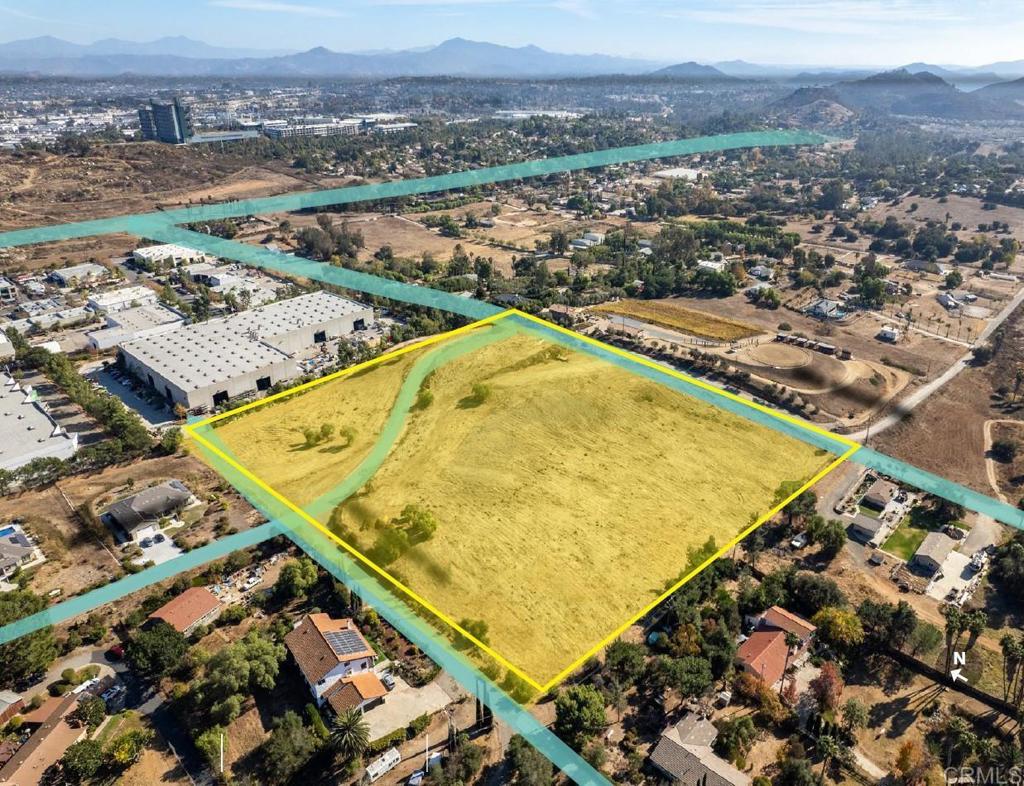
x=350, y=692
x=187, y=609
x=778, y=617
x=764, y=654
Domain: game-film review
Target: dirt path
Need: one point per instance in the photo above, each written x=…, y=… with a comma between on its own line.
x=990, y=463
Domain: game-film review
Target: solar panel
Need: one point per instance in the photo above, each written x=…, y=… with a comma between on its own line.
x=345, y=642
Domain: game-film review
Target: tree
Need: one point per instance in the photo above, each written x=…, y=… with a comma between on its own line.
x=1004, y=450
x=350, y=736
x=579, y=714
x=839, y=627
x=82, y=760
x=736, y=737
x=911, y=763
x=125, y=749
x=855, y=715
x=830, y=535
x=250, y=663
x=154, y=651
x=170, y=440
x=795, y=772
x=954, y=278
x=296, y=578
x=288, y=748
x=31, y=653
x=526, y=765
x=90, y=712
x=827, y=687
x=625, y=661
x=810, y=592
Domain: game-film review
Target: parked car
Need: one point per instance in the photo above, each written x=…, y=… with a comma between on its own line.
x=159, y=538
x=800, y=540
x=146, y=543
x=388, y=680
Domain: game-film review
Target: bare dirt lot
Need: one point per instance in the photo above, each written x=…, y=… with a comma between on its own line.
x=44, y=188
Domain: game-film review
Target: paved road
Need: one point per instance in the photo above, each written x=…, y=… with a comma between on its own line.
x=908, y=404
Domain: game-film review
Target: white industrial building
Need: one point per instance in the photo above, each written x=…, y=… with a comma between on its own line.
x=6, y=347
x=122, y=299
x=29, y=432
x=168, y=253
x=133, y=324
x=206, y=364
x=8, y=292
x=78, y=275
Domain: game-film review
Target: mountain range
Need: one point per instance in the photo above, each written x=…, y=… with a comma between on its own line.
x=901, y=92
x=180, y=56
x=184, y=57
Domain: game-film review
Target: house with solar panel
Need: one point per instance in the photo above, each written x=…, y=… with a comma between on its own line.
x=336, y=662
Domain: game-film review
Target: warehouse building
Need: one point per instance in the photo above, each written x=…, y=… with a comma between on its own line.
x=133, y=324
x=202, y=365
x=29, y=433
x=79, y=275
x=122, y=299
x=170, y=254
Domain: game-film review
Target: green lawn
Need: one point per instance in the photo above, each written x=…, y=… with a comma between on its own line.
x=910, y=533
x=119, y=724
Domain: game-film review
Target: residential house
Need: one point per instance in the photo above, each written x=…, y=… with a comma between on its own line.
x=51, y=736
x=336, y=662
x=865, y=528
x=193, y=608
x=924, y=266
x=947, y=301
x=765, y=653
x=684, y=754
x=826, y=309
x=16, y=550
x=762, y=272
x=933, y=551
x=879, y=494
x=139, y=515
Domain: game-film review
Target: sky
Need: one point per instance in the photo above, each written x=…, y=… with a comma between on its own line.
x=821, y=32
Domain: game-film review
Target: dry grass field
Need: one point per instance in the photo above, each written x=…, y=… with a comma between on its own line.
x=675, y=316
x=269, y=440
x=568, y=492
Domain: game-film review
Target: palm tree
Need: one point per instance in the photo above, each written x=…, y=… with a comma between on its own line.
x=350, y=736
x=792, y=643
x=829, y=749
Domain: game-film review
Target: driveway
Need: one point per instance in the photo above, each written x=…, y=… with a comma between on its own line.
x=159, y=552
x=403, y=705
x=956, y=575
x=985, y=532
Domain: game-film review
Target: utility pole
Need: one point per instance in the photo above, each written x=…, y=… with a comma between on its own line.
x=222, y=753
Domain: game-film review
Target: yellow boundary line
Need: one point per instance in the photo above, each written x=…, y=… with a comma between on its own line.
x=190, y=430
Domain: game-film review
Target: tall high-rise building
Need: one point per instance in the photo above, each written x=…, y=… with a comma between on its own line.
x=166, y=121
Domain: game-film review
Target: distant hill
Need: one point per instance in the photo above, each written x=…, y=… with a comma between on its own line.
x=901, y=92
x=47, y=47
x=691, y=70
x=1004, y=91
x=184, y=57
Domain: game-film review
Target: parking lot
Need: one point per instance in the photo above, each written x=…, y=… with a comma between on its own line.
x=117, y=385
